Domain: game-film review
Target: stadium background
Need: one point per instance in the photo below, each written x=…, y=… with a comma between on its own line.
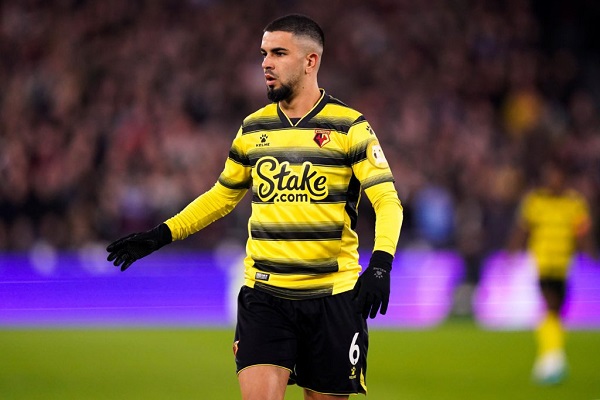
x=114, y=115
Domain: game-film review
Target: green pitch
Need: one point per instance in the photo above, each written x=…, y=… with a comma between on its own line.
x=455, y=361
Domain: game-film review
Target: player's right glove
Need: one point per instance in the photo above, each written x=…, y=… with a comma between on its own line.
x=125, y=251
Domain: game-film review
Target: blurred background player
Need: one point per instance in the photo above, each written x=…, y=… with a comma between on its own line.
x=554, y=220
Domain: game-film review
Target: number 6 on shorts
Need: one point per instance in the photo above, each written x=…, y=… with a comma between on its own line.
x=354, y=352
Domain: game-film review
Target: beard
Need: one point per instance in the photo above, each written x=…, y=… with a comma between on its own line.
x=277, y=95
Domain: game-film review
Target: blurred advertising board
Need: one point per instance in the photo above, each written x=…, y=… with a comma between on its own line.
x=47, y=288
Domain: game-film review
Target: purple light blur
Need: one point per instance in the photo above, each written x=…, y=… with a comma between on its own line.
x=508, y=296
x=195, y=289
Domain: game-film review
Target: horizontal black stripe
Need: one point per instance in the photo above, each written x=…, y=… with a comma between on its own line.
x=340, y=126
x=358, y=152
x=359, y=120
x=333, y=197
x=298, y=157
x=261, y=126
x=270, y=234
x=376, y=180
x=296, y=267
x=230, y=184
x=337, y=124
x=295, y=294
x=239, y=158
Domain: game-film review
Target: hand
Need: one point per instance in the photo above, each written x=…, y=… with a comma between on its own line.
x=372, y=290
x=129, y=249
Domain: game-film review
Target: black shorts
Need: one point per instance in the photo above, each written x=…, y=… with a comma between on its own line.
x=558, y=287
x=323, y=342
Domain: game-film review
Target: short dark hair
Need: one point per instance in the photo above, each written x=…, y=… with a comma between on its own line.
x=298, y=24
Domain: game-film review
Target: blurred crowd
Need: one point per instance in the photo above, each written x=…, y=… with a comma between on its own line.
x=116, y=114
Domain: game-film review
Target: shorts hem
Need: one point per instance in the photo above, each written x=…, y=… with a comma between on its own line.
x=263, y=364
x=363, y=391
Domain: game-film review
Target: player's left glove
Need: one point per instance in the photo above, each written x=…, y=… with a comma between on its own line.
x=372, y=290
x=127, y=250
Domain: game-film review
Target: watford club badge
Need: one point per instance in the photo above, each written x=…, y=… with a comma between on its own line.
x=322, y=137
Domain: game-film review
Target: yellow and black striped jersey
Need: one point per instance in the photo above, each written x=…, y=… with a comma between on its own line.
x=306, y=178
x=554, y=222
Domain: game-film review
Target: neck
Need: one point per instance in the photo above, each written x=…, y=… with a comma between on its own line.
x=299, y=105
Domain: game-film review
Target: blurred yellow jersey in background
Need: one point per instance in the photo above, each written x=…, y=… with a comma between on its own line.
x=554, y=223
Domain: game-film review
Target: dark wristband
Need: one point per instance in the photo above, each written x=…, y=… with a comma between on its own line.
x=381, y=259
x=163, y=234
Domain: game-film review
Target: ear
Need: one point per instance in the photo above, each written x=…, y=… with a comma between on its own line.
x=312, y=63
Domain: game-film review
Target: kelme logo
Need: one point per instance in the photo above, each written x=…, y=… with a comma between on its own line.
x=280, y=183
x=263, y=141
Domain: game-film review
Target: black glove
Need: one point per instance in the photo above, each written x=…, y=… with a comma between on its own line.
x=135, y=246
x=372, y=290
